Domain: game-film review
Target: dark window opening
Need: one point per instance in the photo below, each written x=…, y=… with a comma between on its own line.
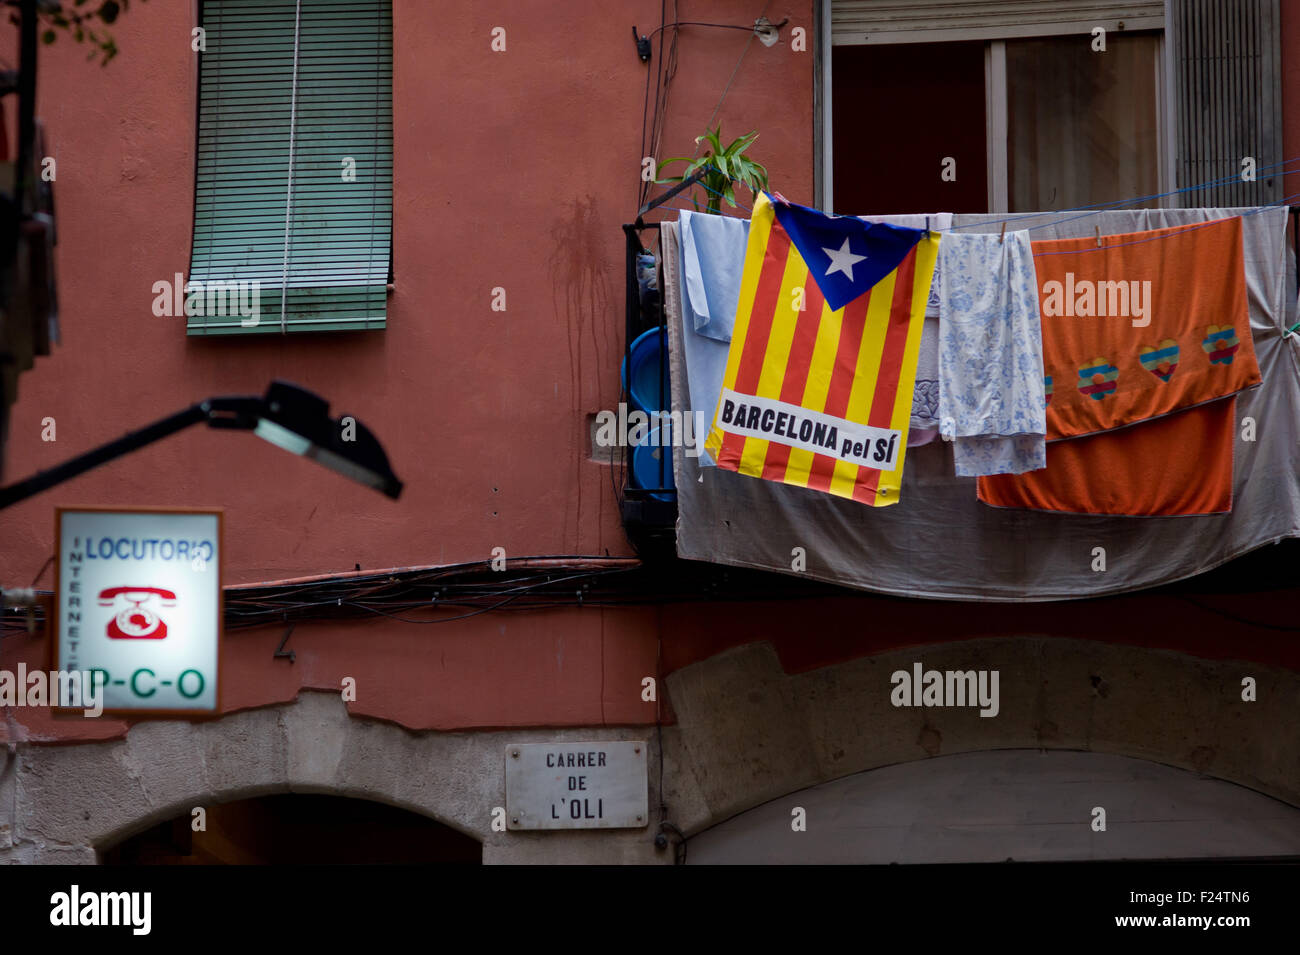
x=298, y=829
x=898, y=112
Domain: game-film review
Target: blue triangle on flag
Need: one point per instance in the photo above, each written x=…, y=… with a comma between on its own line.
x=845, y=255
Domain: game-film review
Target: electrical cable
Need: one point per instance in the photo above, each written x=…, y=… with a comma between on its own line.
x=507, y=602
x=539, y=588
x=644, y=185
x=1155, y=238
x=663, y=79
x=721, y=26
x=49, y=560
x=1047, y=225
x=726, y=89
x=1101, y=206
x=516, y=590
x=1239, y=619
x=669, y=72
x=464, y=616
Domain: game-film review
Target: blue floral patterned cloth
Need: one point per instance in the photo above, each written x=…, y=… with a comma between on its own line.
x=992, y=404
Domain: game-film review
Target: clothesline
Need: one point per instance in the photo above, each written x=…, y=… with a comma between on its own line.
x=1102, y=206
x=1286, y=200
x=1008, y=382
x=1168, y=235
x=1057, y=222
x=914, y=550
x=1095, y=208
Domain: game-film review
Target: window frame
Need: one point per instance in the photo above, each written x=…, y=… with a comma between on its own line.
x=200, y=10
x=995, y=96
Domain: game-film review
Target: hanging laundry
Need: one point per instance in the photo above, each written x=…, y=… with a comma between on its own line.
x=1143, y=339
x=934, y=222
x=944, y=543
x=818, y=386
x=991, y=388
x=710, y=265
x=1176, y=465
x=713, y=256
x=925, y=389
x=1148, y=323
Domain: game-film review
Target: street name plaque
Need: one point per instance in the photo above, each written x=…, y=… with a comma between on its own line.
x=597, y=785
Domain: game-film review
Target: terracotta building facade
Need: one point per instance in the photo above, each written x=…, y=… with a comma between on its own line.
x=502, y=600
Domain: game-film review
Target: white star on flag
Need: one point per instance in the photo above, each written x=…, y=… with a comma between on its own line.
x=842, y=260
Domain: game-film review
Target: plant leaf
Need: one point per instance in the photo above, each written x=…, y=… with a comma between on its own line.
x=740, y=144
x=724, y=168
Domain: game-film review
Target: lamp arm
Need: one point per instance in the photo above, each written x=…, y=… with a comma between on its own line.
x=129, y=442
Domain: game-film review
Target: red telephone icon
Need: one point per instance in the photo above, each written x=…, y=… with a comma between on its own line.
x=136, y=619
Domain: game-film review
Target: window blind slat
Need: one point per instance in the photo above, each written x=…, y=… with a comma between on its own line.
x=340, y=222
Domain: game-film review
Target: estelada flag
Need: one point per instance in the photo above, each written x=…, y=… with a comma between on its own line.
x=1147, y=324
x=818, y=386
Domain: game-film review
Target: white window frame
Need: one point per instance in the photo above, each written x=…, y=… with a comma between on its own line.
x=995, y=94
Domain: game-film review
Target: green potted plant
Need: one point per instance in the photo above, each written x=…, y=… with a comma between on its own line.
x=725, y=167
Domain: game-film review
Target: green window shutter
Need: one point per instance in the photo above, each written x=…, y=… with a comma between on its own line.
x=318, y=240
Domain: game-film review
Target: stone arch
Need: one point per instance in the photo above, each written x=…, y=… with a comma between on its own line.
x=748, y=732
x=70, y=801
x=297, y=828
x=1008, y=805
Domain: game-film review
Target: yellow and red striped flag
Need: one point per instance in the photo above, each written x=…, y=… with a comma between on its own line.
x=818, y=386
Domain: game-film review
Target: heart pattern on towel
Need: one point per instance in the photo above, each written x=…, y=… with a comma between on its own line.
x=1221, y=344
x=1097, y=378
x=1161, y=360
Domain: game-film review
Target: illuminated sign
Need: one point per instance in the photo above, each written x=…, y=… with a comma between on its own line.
x=139, y=606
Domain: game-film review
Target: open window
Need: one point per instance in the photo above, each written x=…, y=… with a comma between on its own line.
x=1022, y=105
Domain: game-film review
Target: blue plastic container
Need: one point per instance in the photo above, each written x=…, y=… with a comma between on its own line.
x=646, y=458
x=648, y=385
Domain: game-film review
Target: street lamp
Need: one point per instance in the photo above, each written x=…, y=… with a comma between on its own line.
x=289, y=417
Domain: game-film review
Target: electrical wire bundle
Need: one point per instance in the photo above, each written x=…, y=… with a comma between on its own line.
x=425, y=595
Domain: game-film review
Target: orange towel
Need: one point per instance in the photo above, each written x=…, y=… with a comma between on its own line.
x=1149, y=323
x=1144, y=340
x=1180, y=464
